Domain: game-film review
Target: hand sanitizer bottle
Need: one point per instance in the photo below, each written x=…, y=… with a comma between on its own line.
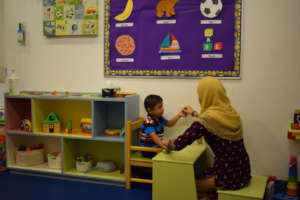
x=20, y=34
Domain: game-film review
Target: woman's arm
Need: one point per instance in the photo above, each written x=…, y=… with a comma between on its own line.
x=193, y=133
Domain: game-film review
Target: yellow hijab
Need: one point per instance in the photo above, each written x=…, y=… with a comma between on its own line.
x=217, y=115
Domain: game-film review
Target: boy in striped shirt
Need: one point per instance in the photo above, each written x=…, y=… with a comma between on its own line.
x=153, y=126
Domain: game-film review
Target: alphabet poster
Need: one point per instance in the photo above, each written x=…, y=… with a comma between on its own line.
x=173, y=38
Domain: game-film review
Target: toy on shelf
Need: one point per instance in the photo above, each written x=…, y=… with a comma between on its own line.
x=26, y=125
x=297, y=119
x=114, y=132
x=2, y=153
x=51, y=124
x=105, y=166
x=69, y=128
x=292, y=186
x=2, y=120
x=86, y=126
x=288, y=190
x=84, y=163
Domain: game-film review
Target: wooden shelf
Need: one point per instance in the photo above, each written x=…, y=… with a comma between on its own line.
x=73, y=135
x=116, y=176
x=38, y=168
x=19, y=131
x=105, y=113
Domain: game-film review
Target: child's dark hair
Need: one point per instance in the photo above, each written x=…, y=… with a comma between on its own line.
x=151, y=101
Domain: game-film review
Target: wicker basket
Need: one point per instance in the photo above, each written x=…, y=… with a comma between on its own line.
x=83, y=166
x=30, y=158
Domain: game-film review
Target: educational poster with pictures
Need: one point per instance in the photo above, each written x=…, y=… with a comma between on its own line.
x=70, y=17
x=173, y=38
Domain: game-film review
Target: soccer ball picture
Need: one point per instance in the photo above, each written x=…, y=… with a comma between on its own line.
x=211, y=8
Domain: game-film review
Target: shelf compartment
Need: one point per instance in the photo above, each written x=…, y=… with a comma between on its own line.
x=100, y=151
x=51, y=144
x=16, y=110
x=66, y=110
x=108, y=115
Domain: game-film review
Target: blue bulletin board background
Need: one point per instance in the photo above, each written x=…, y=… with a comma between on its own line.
x=191, y=30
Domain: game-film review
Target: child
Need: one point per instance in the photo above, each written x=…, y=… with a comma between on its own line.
x=153, y=126
x=220, y=124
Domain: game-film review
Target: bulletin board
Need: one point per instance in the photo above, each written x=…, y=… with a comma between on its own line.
x=173, y=38
x=70, y=18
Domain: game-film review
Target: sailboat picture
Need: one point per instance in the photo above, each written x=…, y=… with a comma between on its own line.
x=170, y=45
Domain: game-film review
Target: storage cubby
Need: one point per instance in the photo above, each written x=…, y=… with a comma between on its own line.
x=65, y=110
x=16, y=111
x=108, y=115
x=100, y=150
x=51, y=144
x=56, y=111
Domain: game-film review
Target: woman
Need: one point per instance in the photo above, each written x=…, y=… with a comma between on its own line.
x=220, y=124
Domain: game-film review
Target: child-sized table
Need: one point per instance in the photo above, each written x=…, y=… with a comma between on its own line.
x=174, y=173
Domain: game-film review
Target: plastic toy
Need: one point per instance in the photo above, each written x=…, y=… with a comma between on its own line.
x=292, y=186
x=51, y=124
x=297, y=119
x=69, y=128
x=105, y=166
x=280, y=190
x=2, y=153
x=112, y=132
x=26, y=125
x=86, y=125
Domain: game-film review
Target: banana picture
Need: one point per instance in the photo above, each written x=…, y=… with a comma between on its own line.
x=126, y=12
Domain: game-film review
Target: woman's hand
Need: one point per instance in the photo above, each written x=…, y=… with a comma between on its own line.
x=188, y=110
x=168, y=144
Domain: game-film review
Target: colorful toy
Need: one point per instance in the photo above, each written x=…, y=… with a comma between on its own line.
x=2, y=153
x=51, y=124
x=292, y=186
x=26, y=125
x=69, y=128
x=112, y=132
x=280, y=191
x=297, y=119
x=86, y=125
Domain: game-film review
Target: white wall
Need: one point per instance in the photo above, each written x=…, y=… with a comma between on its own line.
x=1, y=32
x=266, y=96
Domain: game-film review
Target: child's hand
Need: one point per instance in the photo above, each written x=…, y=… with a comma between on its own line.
x=182, y=113
x=188, y=110
x=168, y=144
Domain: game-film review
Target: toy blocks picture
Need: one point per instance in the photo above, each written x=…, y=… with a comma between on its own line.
x=51, y=124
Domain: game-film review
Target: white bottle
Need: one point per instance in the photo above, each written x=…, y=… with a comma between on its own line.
x=13, y=83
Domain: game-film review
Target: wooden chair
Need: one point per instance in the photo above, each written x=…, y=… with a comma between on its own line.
x=134, y=153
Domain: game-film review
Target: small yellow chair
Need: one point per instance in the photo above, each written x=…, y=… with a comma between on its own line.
x=134, y=153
